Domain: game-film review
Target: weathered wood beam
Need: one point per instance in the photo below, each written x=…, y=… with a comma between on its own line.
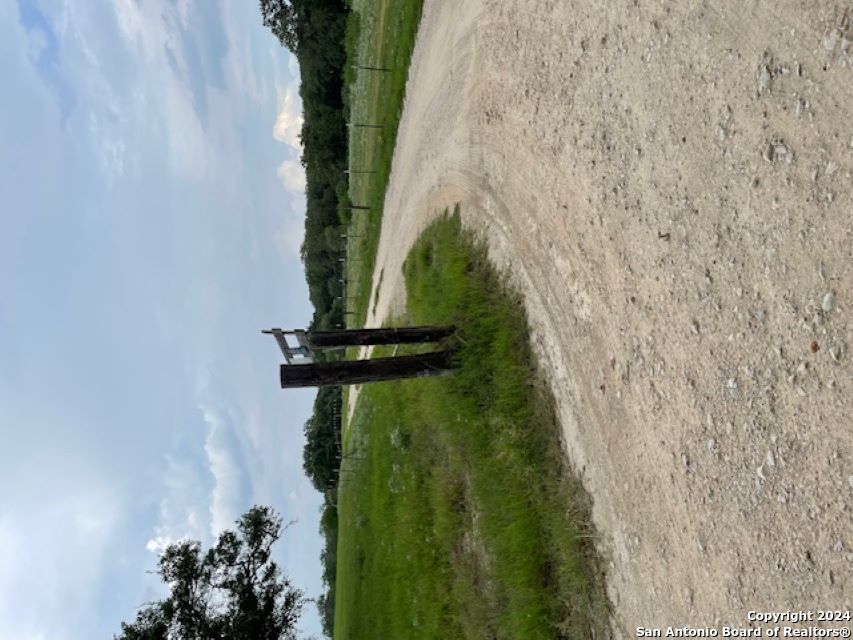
x=384, y=335
x=324, y=374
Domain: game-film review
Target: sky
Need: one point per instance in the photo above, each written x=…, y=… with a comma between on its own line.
x=151, y=217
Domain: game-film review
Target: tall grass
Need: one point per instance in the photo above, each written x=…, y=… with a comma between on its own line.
x=458, y=515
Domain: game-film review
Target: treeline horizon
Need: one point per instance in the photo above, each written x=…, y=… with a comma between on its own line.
x=315, y=32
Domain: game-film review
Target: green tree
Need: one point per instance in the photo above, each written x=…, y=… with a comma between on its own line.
x=234, y=591
x=280, y=17
x=323, y=440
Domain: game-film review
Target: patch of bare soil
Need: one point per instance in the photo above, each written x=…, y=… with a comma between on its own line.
x=669, y=185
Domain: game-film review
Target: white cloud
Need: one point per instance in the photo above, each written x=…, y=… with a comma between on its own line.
x=158, y=544
x=192, y=151
x=142, y=24
x=292, y=175
x=183, y=9
x=239, y=63
x=154, y=30
x=225, y=497
x=184, y=493
x=293, y=65
x=289, y=238
x=288, y=123
x=188, y=491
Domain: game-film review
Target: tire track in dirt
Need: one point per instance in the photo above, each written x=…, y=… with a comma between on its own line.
x=615, y=160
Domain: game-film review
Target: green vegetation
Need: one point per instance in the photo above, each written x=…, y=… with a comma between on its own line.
x=314, y=30
x=321, y=464
x=380, y=33
x=233, y=590
x=323, y=440
x=328, y=37
x=328, y=558
x=458, y=517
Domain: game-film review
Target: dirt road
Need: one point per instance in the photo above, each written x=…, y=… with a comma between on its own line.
x=670, y=188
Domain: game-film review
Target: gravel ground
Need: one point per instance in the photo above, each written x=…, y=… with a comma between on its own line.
x=669, y=185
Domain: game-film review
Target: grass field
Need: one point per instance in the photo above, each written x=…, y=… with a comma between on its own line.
x=381, y=34
x=458, y=518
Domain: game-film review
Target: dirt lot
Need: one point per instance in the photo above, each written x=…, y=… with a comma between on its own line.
x=670, y=187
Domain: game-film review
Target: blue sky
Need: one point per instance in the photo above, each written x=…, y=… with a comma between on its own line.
x=151, y=218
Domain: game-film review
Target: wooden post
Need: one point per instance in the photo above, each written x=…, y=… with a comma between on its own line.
x=323, y=374
x=362, y=125
x=387, y=335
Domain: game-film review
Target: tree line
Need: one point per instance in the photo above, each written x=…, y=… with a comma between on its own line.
x=321, y=461
x=315, y=31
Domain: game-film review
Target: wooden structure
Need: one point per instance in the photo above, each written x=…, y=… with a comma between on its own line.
x=293, y=354
x=323, y=374
x=301, y=369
